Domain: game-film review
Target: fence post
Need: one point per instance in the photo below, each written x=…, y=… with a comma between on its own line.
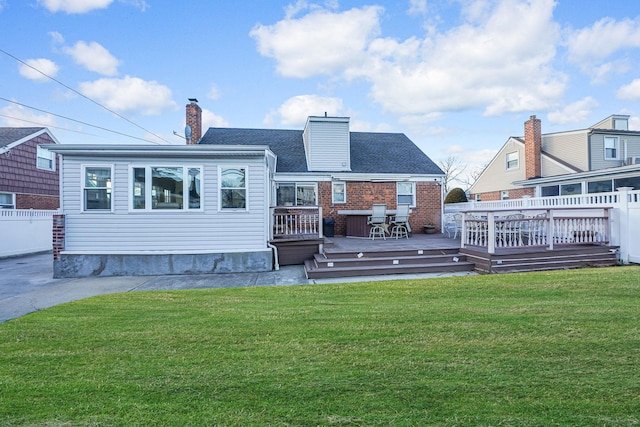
x=491, y=232
x=551, y=231
x=624, y=229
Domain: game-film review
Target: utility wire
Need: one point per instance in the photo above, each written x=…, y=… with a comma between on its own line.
x=74, y=120
x=85, y=97
x=52, y=126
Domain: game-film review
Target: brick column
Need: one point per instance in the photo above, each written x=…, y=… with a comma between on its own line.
x=58, y=235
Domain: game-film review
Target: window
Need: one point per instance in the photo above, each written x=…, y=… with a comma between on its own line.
x=406, y=192
x=570, y=189
x=600, y=186
x=633, y=181
x=512, y=160
x=620, y=124
x=552, y=190
x=165, y=187
x=504, y=195
x=233, y=188
x=338, y=192
x=46, y=159
x=611, y=151
x=6, y=201
x=293, y=194
x=97, y=188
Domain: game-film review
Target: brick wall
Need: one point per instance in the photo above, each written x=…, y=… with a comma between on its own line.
x=194, y=120
x=58, y=235
x=532, y=147
x=363, y=195
x=37, y=201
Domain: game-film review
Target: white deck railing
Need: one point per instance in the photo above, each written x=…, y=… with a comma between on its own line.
x=520, y=228
x=296, y=221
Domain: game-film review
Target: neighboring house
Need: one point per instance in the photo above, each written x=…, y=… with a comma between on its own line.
x=28, y=173
x=598, y=159
x=206, y=207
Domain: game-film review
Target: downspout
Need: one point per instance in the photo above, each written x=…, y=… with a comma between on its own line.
x=275, y=256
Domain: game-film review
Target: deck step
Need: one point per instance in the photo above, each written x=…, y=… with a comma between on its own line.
x=395, y=259
x=313, y=271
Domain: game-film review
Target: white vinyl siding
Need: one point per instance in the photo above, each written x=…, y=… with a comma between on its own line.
x=571, y=147
x=327, y=144
x=168, y=231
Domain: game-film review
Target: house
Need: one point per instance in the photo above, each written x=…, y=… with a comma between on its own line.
x=28, y=172
x=598, y=159
x=208, y=207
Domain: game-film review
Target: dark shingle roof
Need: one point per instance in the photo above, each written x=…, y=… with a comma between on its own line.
x=9, y=135
x=370, y=152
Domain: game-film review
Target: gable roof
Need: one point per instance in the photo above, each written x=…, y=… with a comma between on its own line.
x=10, y=135
x=371, y=152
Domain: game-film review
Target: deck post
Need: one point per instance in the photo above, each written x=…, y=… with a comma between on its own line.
x=463, y=231
x=551, y=229
x=491, y=232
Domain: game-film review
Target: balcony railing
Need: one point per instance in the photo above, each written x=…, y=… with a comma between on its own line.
x=536, y=228
x=296, y=222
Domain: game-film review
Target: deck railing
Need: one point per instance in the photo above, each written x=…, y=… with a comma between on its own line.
x=535, y=227
x=296, y=221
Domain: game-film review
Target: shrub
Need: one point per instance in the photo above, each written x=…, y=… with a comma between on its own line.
x=456, y=195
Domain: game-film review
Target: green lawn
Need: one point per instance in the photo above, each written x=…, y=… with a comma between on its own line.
x=539, y=349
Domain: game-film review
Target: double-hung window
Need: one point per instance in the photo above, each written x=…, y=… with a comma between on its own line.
x=611, y=151
x=233, y=188
x=97, y=187
x=166, y=187
x=338, y=192
x=512, y=160
x=406, y=193
x=46, y=159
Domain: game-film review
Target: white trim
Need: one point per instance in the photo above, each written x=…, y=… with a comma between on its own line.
x=29, y=138
x=148, y=191
x=344, y=192
x=83, y=178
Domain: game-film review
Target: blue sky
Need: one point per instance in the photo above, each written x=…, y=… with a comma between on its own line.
x=458, y=77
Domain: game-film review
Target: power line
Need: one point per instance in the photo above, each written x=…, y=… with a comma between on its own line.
x=77, y=121
x=85, y=97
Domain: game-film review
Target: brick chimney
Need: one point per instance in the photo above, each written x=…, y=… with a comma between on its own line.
x=532, y=147
x=194, y=121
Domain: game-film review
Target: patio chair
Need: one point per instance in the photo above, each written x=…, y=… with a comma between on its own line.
x=400, y=222
x=453, y=224
x=378, y=222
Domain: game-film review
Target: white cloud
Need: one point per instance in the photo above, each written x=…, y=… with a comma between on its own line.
x=211, y=119
x=294, y=111
x=130, y=94
x=500, y=59
x=214, y=92
x=634, y=123
x=30, y=69
x=94, y=57
x=56, y=37
x=630, y=91
x=491, y=63
x=18, y=116
x=573, y=113
x=590, y=47
x=321, y=42
x=74, y=6
x=417, y=7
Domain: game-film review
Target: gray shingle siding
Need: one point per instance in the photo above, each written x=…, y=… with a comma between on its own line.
x=370, y=152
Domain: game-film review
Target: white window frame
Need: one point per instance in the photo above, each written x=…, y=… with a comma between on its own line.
x=504, y=195
x=148, y=190
x=616, y=147
x=11, y=205
x=295, y=186
x=83, y=188
x=507, y=161
x=45, y=154
x=246, y=188
x=412, y=194
x=335, y=184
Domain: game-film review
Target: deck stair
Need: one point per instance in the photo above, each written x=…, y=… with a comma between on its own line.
x=335, y=264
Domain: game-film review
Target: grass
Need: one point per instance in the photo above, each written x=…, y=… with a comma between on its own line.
x=537, y=349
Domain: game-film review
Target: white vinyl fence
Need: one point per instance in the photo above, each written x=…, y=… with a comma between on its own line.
x=624, y=216
x=25, y=231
